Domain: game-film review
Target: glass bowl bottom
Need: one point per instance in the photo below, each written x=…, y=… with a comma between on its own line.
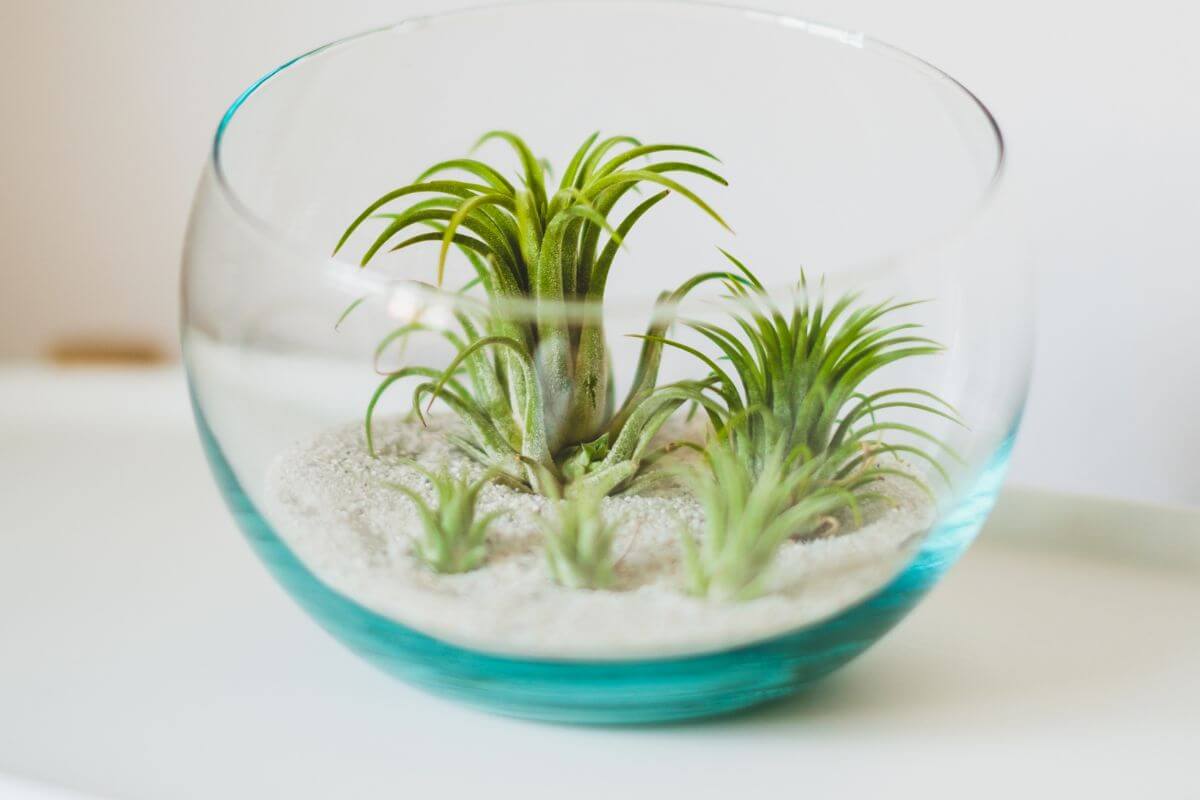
x=614, y=692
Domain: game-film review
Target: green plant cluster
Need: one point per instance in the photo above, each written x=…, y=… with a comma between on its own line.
x=452, y=538
x=791, y=381
x=749, y=513
x=531, y=384
x=579, y=543
x=795, y=442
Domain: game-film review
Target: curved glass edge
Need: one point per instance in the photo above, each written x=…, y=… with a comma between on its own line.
x=613, y=692
x=349, y=275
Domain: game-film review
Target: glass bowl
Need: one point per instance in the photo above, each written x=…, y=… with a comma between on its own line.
x=774, y=505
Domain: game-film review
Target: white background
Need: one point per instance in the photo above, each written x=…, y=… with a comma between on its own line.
x=109, y=107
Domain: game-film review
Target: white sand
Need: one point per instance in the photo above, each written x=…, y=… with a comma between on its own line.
x=327, y=499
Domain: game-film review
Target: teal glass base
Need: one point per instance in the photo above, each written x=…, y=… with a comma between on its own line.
x=619, y=692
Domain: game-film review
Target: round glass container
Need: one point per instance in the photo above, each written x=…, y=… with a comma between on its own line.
x=847, y=161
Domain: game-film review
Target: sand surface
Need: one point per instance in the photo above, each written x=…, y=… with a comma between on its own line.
x=328, y=500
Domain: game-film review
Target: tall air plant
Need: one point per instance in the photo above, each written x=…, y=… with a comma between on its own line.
x=538, y=404
x=791, y=382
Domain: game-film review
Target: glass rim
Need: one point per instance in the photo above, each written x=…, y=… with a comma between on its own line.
x=351, y=277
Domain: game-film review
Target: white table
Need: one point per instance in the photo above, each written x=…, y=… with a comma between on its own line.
x=144, y=653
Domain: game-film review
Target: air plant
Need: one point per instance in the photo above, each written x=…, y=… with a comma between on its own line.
x=798, y=445
x=790, y=383
x=537, y=401
x=452, y=538
x=749, y=513
x=578, y=543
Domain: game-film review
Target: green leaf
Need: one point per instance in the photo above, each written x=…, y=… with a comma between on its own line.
x=477, y=168
x=635, y=176
x=637, y=152
x=568, y=178
x=534, y=172
x=454, y=188
x=598, y=152
x=457, y=219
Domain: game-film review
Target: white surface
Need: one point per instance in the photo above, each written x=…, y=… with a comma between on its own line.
x=145, y=654
x=114, y=104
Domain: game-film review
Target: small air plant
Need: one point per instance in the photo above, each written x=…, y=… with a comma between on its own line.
x=579, y=543
x=794, y=392
x=452, y=540
x=750, y=513
x=539, y=404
